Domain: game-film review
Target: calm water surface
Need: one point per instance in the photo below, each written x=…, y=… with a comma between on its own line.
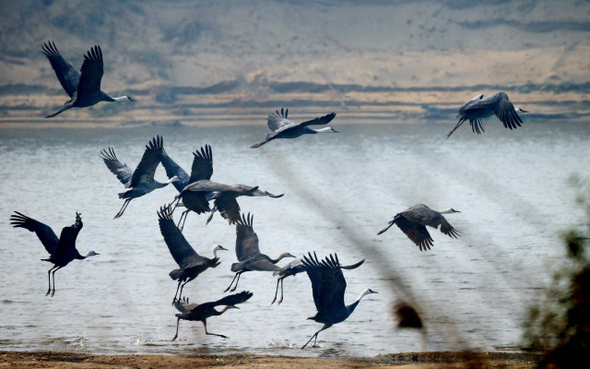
x=340, y=190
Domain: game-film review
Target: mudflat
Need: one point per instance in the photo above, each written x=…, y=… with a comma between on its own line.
x=417, y=360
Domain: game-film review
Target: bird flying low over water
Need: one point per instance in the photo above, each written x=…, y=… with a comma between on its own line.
x=203, y=311
x=295, y=267
x=413, y=222
x=249, y=256
x=83, y=87
x=62, y=250
x=191, y=264
x=478, y=108
x=200, y=190
x=328, y=286
x=141, y=180
x=285, y=128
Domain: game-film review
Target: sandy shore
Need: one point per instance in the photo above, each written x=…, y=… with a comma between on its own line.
x=66, y=360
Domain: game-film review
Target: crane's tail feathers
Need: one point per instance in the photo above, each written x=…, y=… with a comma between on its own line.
x=175, y=274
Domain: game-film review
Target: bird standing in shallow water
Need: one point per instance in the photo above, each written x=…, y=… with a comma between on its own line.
x=83, y=87
x=285, y=128
x=62, y=250
x=141, y=180
x=478, y=107
x=203, y=311
x=191, y=264
x=328, y=286
x=413, y=222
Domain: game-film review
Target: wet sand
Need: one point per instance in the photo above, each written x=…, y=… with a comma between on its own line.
x=12, y=359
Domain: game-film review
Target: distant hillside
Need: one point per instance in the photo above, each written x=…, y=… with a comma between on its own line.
x=262, y=53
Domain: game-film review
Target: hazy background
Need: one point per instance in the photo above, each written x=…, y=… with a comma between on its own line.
x=195, y=61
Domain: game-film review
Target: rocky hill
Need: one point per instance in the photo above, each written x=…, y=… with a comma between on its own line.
x=398, y=60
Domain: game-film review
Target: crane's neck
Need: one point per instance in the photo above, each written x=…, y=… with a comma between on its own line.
x=283, y=255
x=88, y=254
x=352, y=306
x=122, y=98
x=323, y=130
x=215, y=249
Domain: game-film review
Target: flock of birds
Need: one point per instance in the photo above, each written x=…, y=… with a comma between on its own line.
x=196, y=193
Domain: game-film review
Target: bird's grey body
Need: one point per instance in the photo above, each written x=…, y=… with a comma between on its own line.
x=328, y=287
x=413, y=222
x=83, y=87
x=295, y=267
x=62, y=250
x=200, y=190
x=191, y=264
x=248, y=252
x=141, y=180
x=201, y=312
x=285, y=128
x=479, y=108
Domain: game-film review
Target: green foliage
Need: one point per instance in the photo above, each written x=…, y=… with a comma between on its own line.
x=564, y=314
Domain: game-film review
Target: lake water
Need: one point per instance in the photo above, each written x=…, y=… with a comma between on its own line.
x=340, y=190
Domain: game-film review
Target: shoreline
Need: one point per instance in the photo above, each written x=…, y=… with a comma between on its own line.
x=411, y=360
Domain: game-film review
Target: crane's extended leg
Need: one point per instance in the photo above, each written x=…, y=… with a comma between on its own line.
x=182, y=219
x=176, y=294
x=123, y=208
x=59, y=111
x=212, y=334
x=51, y=291
x=181, y=288
x=232, y=282
x=177, y=324
x=326, y=326
x=276, y=291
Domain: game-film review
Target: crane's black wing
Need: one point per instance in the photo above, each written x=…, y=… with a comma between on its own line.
x=228, y=207
x=90, y=74
x=173, y=169
x=144, y=173
x=506, y=113
x=202, y=164
x=246, y=238
x=182, y=252
x=67, y=240
x=67, y=75
x=327, y=282
x=234, y=299
x=46, y=235
x=415, y=232
x=321, y=120
x=122, y=171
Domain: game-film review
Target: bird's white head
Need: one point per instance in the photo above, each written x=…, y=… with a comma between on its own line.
x=519, y=110
x=174, y=179
x=91, y=253
x=217, y=248
x=449, y=211
x=327, y=130
x=286, y=255
x=366, y=292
